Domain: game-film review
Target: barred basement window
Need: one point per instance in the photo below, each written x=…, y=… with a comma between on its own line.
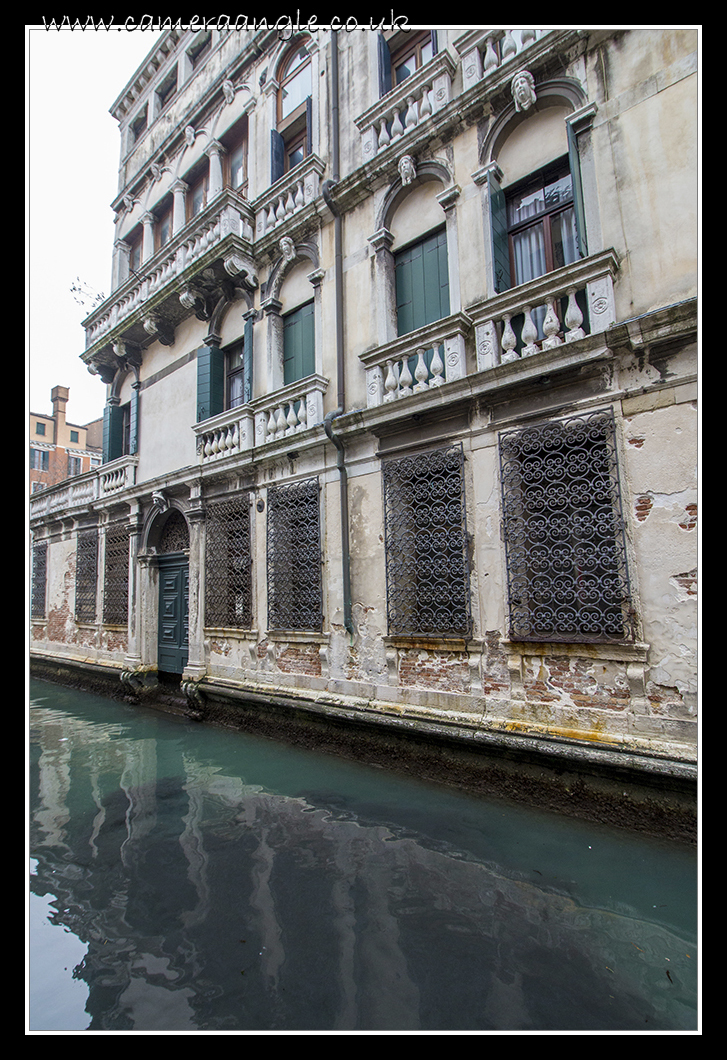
x=295, y=597
x=427, y=566
x=228, y=581
x=564, y=532
x=116, y=575
x=38, y=586
x=86, y=575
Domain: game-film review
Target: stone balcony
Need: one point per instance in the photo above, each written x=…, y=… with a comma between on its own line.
x=554, y=310
x=177, y=280
x=76, y=493
x=407, y=106
x=289, y=412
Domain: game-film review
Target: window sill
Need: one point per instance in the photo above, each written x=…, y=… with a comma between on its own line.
x=611, y=650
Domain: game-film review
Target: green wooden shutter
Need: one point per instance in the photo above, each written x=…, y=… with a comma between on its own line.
x=498, y=231
x=277, y=156
x=384, y=65
x=422, y=283
x=575, y=172
x=299, y=344
x=210, y=382
x=113, y=437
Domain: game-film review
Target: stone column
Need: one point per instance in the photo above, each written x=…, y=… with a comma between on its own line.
x=133, y=658
x=147, y=246
x=196, y=666
x=179, y=212
x=214, y=152
x=448, y=200
x=385, y=286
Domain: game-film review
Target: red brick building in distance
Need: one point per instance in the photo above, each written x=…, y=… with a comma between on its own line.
x=58, y=449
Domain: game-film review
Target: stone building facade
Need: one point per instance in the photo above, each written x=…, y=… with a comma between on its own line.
x=401, y=370
x=59, y=449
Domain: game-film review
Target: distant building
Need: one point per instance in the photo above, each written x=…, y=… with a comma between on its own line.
x=61, y=450
x=401, y=370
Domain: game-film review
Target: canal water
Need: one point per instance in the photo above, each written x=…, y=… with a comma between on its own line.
x=189, y=878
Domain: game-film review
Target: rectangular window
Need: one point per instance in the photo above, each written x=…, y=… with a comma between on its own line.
x=74, y=436
x=116, y=575
x=75, y=466
x=427, y=564
x=86, y=575
x=541, y=224
x=39, y=459
x=295, y=598
x=39, y=577
x=299, y=358
x=39, y=428
x=235, y=375
x=197, y=195
x=167, y=89
x=163, y=227
x=228, y=565
x=564, y=534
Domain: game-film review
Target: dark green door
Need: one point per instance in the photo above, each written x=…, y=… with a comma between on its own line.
x=173, y=614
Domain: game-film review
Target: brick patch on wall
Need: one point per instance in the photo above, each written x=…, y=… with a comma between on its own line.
x=643, y=506
x=300, y=659
x=690, y=519
x=440, y=671
x=585, y=682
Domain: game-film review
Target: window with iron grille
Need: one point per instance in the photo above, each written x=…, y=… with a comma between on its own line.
x=228, y=578
x=564, y=532
x=40, y=568
x=86, y=575
x=295, y=598
x=116, y=575
x=427, y=564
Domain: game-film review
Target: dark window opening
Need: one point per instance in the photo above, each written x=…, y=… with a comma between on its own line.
x=564, y=532
x=295, y=598
x=427, y=564
x=228, y=565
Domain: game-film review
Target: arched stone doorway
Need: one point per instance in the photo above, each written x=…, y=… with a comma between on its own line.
x=173, y=622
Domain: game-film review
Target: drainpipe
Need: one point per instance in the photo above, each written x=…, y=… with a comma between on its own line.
x=338, y=285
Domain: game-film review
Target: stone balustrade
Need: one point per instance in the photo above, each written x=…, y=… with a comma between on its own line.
x=284, y=414
x=226, y=215
x=289, y=195
x=484, y=52
x=82, y=490
x=422, y=360
x=555, y=309
x=407, y=106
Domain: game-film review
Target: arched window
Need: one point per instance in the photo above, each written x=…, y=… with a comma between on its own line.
x=291, y=138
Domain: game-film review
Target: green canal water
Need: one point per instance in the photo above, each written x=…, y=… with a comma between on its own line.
x=188, y=878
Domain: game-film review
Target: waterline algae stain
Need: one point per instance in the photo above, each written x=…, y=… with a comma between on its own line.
x=186, y=878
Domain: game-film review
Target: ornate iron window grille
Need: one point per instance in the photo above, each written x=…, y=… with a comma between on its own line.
x=427, y=561
x=228, y=561
x=116, y=575
x=295, y=597
x=564, y=532
x=86, y=575
x=175, y=534
x=38, y=584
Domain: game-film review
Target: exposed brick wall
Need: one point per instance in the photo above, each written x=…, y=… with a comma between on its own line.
x=300, y=659
x=441, y=671
x=584, y=682
x=690, y=519
x=643, y=506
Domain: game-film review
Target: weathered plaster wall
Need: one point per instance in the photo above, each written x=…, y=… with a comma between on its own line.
x=646, y=143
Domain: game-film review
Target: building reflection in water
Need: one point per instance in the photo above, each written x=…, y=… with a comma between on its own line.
x=222, y=882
